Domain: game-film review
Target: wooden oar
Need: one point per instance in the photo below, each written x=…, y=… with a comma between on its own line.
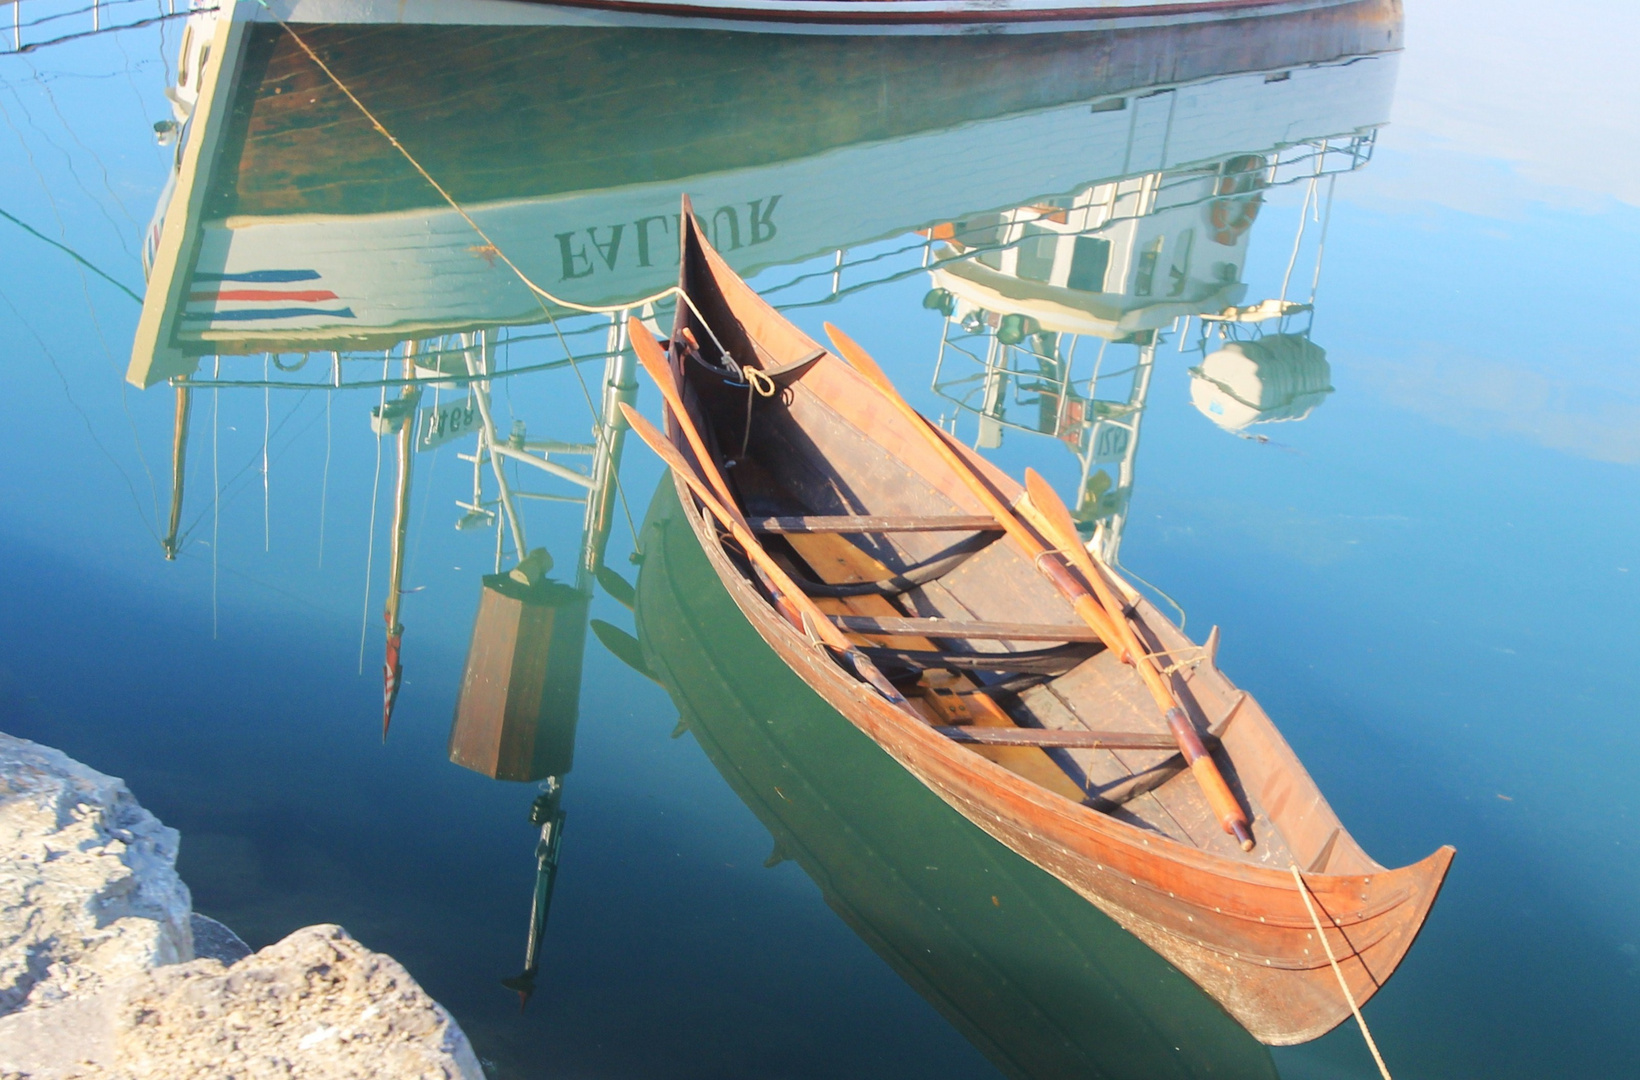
x=1110, y=622
x=1060, y=528
x=660, y=371
x=786, y=590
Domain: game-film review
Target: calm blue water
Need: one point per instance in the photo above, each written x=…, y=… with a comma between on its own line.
x=1429, y=580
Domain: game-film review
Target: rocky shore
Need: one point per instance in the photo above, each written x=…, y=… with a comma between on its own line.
x=107, y=972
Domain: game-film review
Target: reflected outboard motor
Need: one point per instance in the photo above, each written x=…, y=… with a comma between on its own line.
x=517, y=708
x=521, y=690
x=1275, y=377
x=546, y=813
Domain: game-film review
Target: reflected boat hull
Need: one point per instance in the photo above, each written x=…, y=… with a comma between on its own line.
x=842, y=17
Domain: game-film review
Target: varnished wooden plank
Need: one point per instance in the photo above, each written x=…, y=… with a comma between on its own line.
x=1057, y=737
x=815, y=523
x=1051, y=661
x=953, y=628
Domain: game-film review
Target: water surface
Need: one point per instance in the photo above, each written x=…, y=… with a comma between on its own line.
x=1414, y=527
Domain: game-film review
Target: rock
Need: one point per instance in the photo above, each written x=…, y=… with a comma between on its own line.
x=88, y=885
x=317, y=1005
x=215, y=941
x=98, y=979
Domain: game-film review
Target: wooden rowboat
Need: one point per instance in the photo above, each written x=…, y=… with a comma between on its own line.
x=1013, y=710
x=1030, y=973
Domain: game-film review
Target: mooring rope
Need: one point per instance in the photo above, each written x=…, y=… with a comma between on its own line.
x=490, y=247
x=1304, y=892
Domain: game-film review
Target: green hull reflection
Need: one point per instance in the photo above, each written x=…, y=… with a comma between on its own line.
x=1034, y=976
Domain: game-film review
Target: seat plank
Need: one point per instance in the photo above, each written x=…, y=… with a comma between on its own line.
x=954, y=628
x=1073, y=739
x=847, y=523
x=834, y=559
x=1051, y=661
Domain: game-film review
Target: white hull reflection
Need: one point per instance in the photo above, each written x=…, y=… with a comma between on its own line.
x=846, y=17
x=421, y=272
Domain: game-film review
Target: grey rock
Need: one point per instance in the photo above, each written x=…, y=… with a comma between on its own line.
x=98, y=979
x=214, y=941
x=88, y=886
x=317, y=1005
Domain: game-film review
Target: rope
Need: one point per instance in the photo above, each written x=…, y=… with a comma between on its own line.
x=1190, y=657
x=758, y=384
x=1304, y=892
x=489, y=247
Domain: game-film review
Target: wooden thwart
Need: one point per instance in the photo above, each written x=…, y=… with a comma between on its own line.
x=953, y=628
x=1051, y=661
x=850, y=523
x=1054, y=737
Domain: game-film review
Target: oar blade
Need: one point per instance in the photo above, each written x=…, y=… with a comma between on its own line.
x=623, y=645
x=656, y=441
x=650, y=355
x=1053, y=510
x=860, y=360
x=617, y=587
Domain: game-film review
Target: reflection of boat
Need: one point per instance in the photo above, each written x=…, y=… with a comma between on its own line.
x=1039, y=981
x=818, y=16
x=519, y=699
x=1127, y=263
x=291, y=224
x=1082, y=781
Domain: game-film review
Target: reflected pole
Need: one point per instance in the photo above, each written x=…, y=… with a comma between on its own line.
x=179, y=462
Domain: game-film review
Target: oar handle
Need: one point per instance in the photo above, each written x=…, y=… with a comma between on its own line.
x=1219, y=797
x=1055, y=522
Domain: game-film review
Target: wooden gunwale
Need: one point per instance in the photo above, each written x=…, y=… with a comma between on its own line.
x=1239, y=929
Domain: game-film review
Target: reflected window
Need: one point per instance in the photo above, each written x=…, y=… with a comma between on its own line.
x=1144, y=278
x=1036, y=252
x=984, y=232
x=1090, y=259
x=1179, y=272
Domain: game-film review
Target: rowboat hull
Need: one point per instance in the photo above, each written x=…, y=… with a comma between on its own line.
x=1236, y=923
x=1242, y=935
x=1038, y=980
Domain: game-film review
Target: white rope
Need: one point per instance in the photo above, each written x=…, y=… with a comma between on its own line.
x=1304, y=892
x=490, y=247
